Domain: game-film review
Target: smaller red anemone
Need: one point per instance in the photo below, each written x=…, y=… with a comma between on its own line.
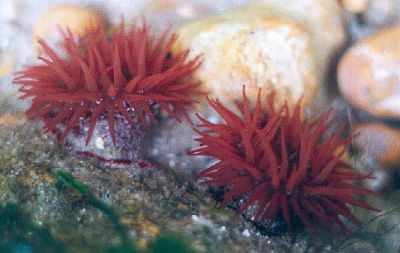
x=273, y=160
x=126, y=72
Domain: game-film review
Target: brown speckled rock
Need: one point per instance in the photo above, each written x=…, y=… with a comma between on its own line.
x=11, y=119
x=147, y=200
x=369, y=74
x=380, y=142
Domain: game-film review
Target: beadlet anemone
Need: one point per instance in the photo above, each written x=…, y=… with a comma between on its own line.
x=125, y=73
x=273, y=160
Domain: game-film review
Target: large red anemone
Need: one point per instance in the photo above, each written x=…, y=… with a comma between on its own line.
x=125, y=72
x=273, y=160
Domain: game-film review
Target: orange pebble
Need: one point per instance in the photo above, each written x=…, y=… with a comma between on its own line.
x=76, y=18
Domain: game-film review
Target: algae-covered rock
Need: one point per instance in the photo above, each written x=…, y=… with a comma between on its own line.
x=147, y=199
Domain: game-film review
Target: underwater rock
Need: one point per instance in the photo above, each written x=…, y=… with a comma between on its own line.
x=12, y=119
x=7, y=62
x=268, y=44
x=169, y=144
x=380, y=233
x=76, y=18
x=148, y=199
x=380, y=142
x=369, y=74
x=355, y=6
x=322, y=19
x=262, y=53
x=382, y=13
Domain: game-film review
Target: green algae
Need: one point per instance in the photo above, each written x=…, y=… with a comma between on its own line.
x=20, y=234
x=140, y=197
x=66, y=178
x=167, y=242
x=17, y=231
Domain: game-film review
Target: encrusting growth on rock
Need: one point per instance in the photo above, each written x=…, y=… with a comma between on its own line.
x=272, y=159
x=126, y=72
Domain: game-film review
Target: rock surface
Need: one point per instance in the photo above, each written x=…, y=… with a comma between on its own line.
x=151, y=199
x=268, y=54
x=355, y=6
x=269, y=44
x=148, y=199
x=74, y=17
x=369, y=74
x=382, y=13
x=322, y=19
x=380, y=142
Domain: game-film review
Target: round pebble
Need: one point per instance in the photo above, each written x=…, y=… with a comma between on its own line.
x=76, y=18
x=369, y=74
x=271, y=54
x=355, y=6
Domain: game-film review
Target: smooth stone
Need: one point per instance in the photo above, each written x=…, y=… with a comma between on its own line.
x=74, y=17
x=284, y=45
x=369, y=74
x=355, y=6
x=271, y=54
x=323, y=20
x=7, y=63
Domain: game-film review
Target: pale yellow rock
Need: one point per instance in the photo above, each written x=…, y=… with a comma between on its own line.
x=355, y=6
x=321, y=18
x=271, y=54
x=162, y=5
x=76, y=18
x=7, y=63
x=282, y=44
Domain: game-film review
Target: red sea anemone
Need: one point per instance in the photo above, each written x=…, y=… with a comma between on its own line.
x=124, y=73
x=272, y=160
